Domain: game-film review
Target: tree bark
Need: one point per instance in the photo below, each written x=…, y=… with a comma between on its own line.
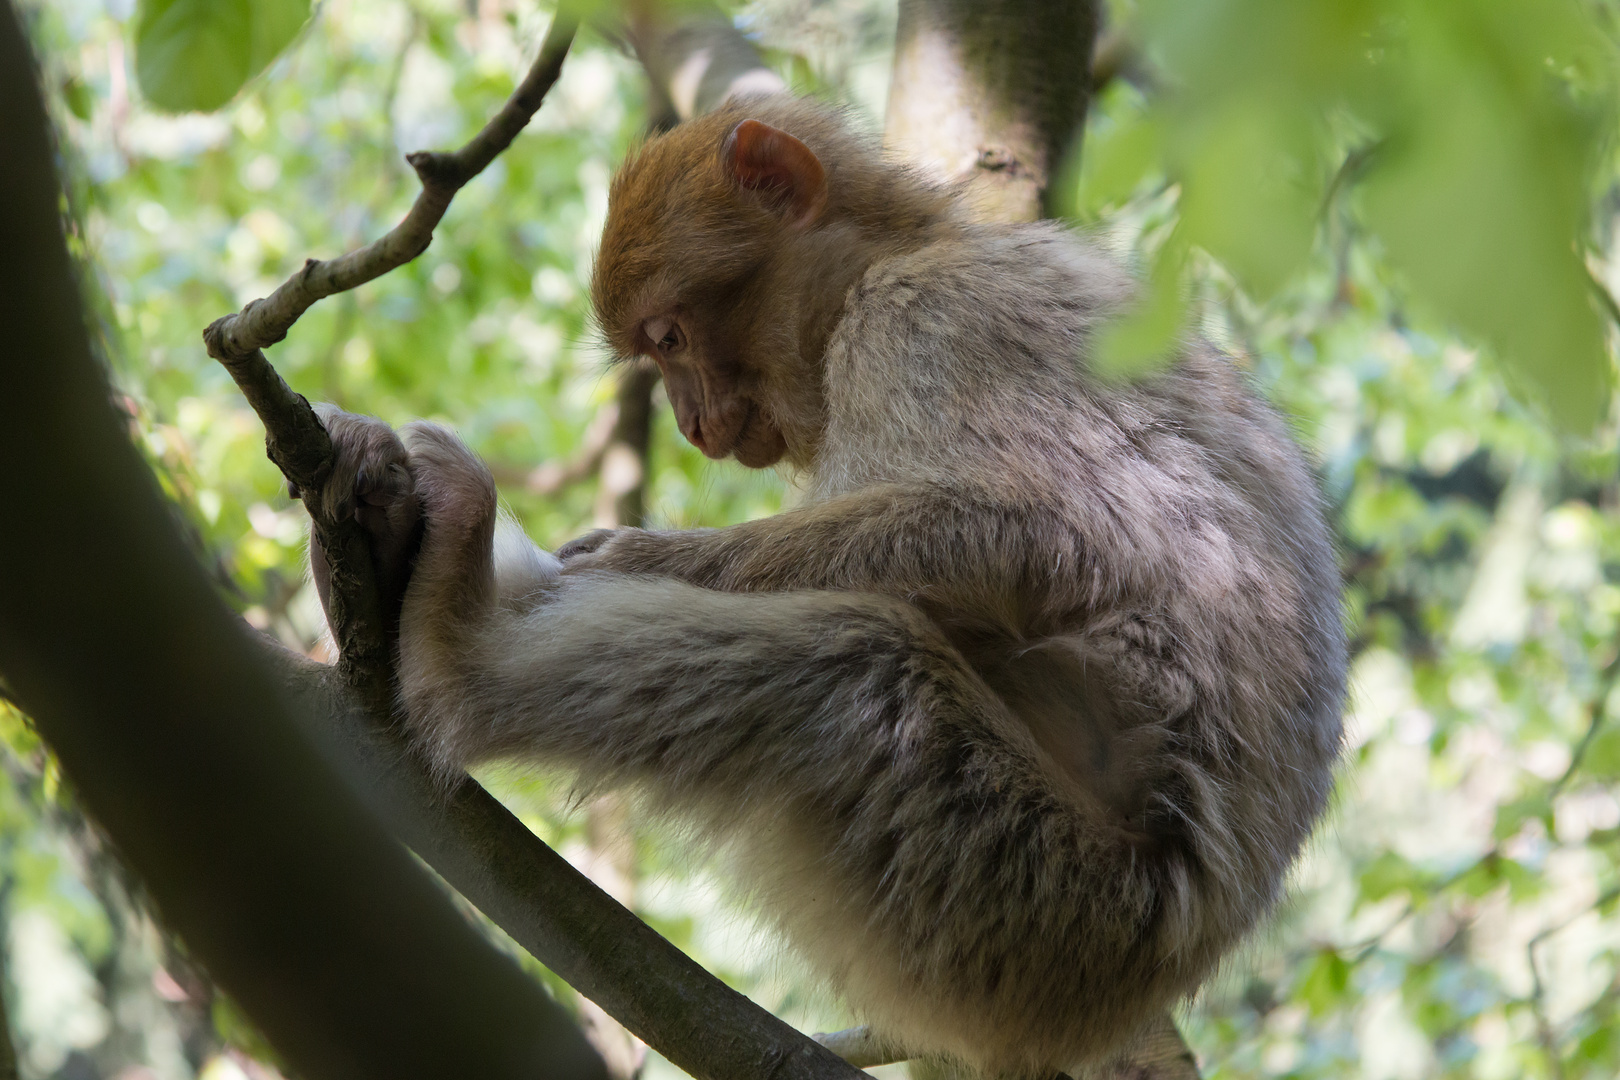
x=8, y=1048
x=694, y=56
x=992, y=94
x=178, y=740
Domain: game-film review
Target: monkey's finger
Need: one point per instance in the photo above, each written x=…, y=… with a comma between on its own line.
x=583, y=545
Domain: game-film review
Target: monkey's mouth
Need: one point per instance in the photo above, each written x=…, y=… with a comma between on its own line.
x=759, y=443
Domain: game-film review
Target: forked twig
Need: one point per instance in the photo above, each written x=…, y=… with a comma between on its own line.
x=294, y=437
x=265, y=322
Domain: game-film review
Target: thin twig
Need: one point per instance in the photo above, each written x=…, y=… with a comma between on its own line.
x=550, y=477
x=1545, y=1035
x=1597, y=713
x=233, y=339
x=294, y=438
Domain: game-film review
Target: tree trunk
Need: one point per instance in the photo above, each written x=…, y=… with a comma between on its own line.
x=992, y=93
x=695, y=58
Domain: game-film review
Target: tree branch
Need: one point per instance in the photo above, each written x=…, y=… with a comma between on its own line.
x=550, y=477
x=475, y=843
x=559, y=915
x=697, y=60
x=993, y=93
x=234, y=339
x=294, y=437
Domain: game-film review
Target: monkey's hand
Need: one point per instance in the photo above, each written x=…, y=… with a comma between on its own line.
x=576, y=553
x=592, y=551
x=371, y=482
x=627, y=550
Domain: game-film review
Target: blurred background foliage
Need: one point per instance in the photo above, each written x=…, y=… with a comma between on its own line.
x=1399, y=214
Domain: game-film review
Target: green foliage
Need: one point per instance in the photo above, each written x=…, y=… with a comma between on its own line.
x=194, y=55
x=1468, y=138
x=1326, y=983
x=1454, y=917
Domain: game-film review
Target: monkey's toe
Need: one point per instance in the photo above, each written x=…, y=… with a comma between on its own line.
x=370, y=465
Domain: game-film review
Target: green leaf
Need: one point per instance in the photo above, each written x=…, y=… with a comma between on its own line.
x=1326, y=983
x=194, y=55
x=1510, y=817
x=1481, y=198
x=275, y=23
x=1602, y=758
x=1114, y=164
x=1248, y=194
x=1389, y=873
x=78, y=97
x=1145, y=339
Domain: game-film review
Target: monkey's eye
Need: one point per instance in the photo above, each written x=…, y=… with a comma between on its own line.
x=664, y=333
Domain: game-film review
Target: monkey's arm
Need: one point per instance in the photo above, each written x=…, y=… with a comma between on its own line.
x=928, y=541
x=563, y=671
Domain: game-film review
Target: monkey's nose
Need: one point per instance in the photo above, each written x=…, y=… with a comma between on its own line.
x=693, y=430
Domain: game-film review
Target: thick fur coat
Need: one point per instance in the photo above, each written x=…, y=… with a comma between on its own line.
x=1018, y=723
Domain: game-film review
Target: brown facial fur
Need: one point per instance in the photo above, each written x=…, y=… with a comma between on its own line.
x=1014, y=728
x=757, y=293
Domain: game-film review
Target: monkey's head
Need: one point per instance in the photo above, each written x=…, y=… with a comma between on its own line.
x=729, y=244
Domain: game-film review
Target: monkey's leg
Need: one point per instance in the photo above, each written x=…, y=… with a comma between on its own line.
x=904, y=828
x=894, y=818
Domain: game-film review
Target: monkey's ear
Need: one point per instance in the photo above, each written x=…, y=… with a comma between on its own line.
x=762, y=158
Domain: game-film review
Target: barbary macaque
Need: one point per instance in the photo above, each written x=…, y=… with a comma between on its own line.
x=1014, y=727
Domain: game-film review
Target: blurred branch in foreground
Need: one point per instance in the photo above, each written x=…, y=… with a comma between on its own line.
x=546, y=905
x=555, y=912
x=173, y=731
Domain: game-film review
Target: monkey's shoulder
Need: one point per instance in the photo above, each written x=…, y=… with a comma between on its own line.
x=996, y=281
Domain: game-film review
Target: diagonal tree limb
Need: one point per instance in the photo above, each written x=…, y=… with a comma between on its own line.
x=554, y=911
x=173, y=730
x=477, y=845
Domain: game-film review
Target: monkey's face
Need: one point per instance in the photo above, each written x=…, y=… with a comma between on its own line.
x=710, y=391
x=693, y=221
